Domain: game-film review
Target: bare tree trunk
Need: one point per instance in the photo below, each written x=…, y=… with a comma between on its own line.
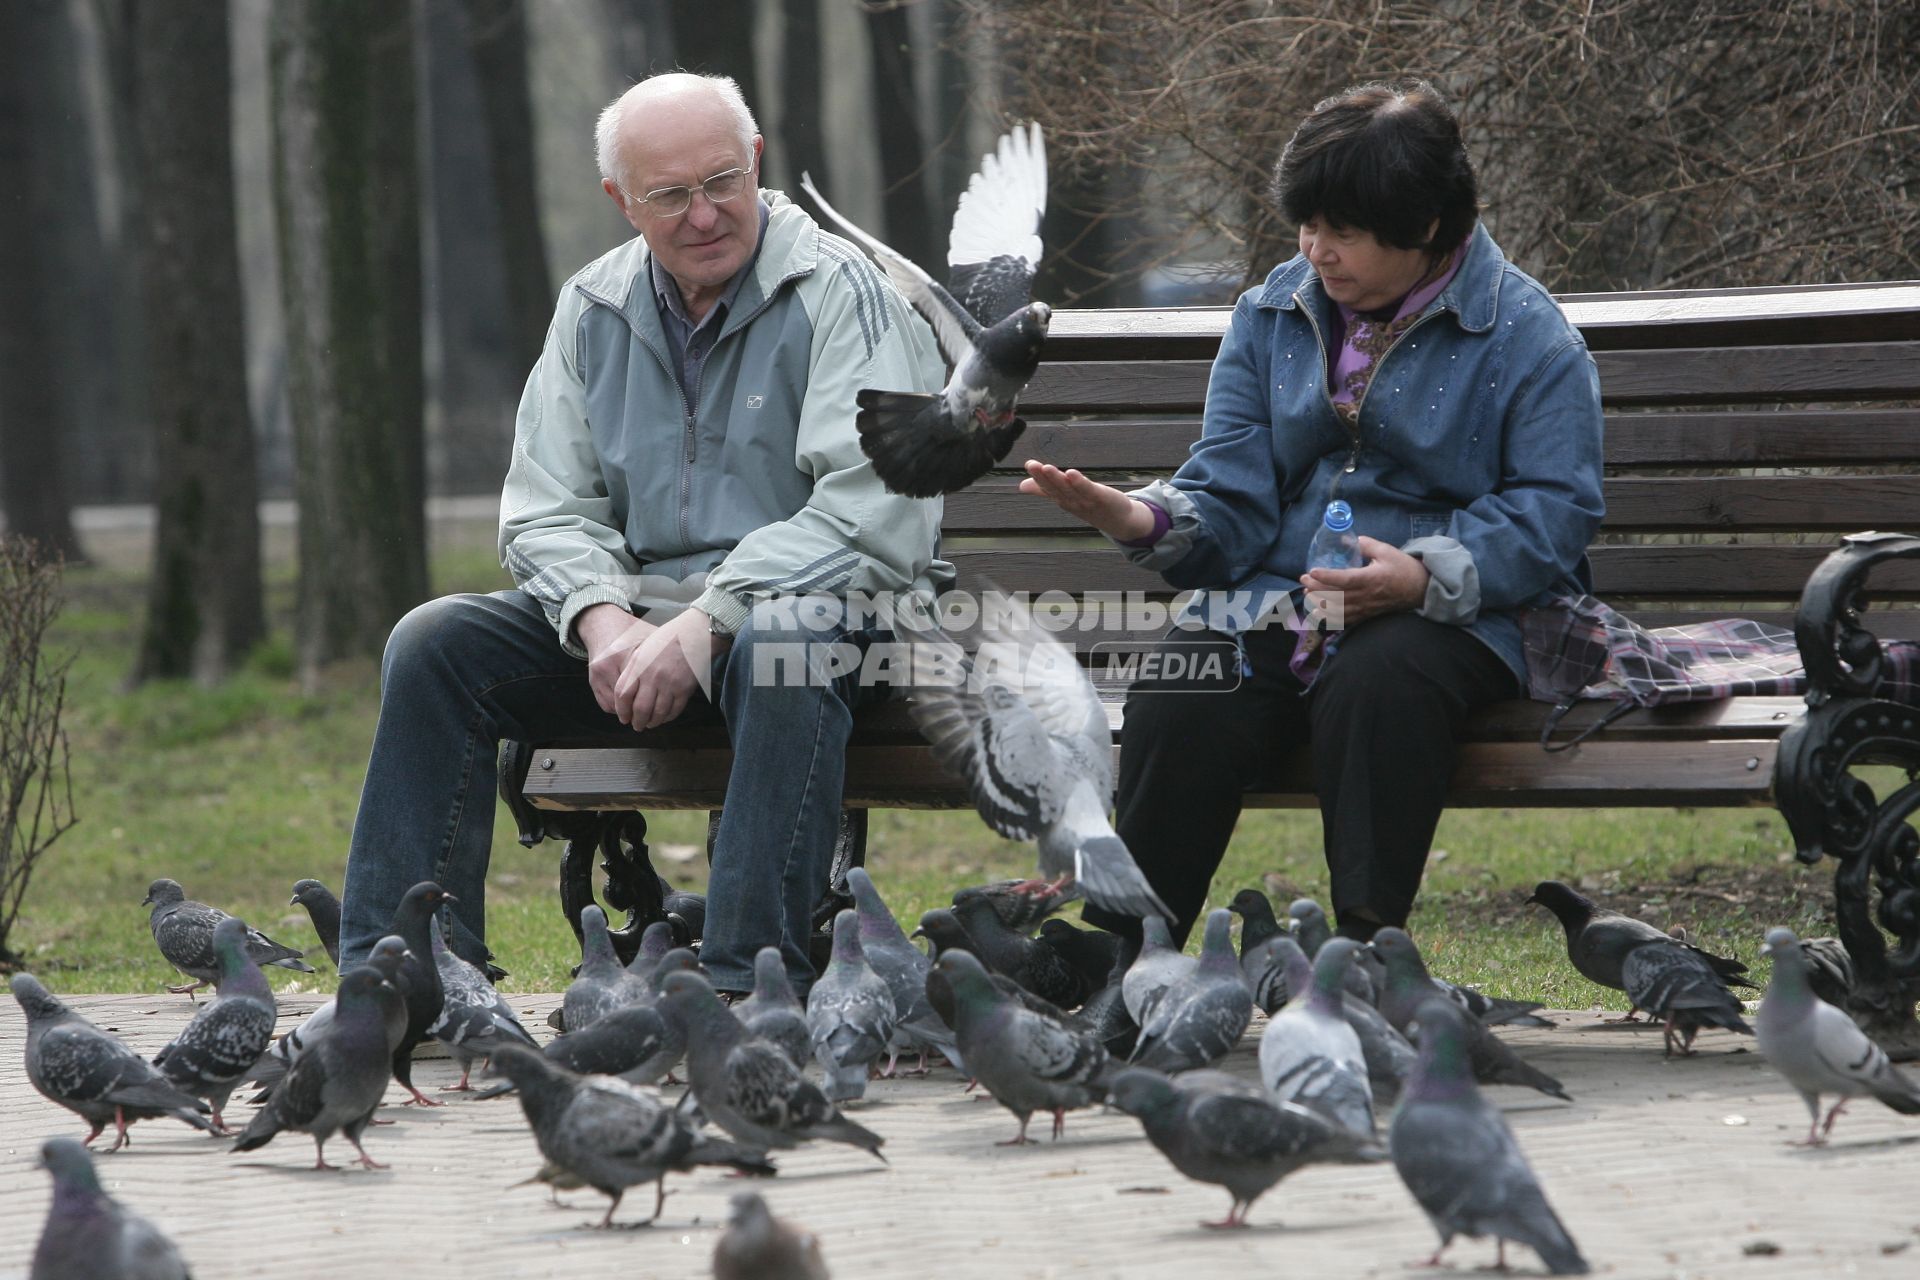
x=903, y=157
x=641, y=41
x=801, y=143
x=203, y=597
x=34, y=424
x=345, y=195
x=497, y=35
x=715, y=37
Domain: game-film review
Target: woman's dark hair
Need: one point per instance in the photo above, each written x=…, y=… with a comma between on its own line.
x=1382, y=158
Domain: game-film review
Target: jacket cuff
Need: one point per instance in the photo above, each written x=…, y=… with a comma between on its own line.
x=1453, y=580
x=578, y=602
x=1183, y=526
x=728, y=611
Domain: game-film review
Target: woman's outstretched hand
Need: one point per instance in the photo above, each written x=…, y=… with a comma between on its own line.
x=1100, y=505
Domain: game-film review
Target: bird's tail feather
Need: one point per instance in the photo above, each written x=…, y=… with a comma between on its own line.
x=851, y=1132
x=1113, y=881
x=260, y=1130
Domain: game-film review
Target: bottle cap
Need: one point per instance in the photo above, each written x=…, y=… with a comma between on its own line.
x=1339, y=516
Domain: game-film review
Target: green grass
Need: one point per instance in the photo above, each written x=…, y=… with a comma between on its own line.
x=240, y=790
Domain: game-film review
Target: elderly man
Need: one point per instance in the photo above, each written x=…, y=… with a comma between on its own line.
x=684, y=464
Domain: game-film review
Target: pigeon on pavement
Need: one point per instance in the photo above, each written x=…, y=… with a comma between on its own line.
x=1158, y=966
x=940, y=928
x=91, y=1236
x=183, y=930
x=1091, y=952
x=336, y=1085
x=1679, y=987
x=1818, y=1048
x=1456, y=1155
x=1598, y=940
x=1312, y=929
x=216, y=1050
x=608, y=1134
x=1203, y=1015
x=746, y=1085
x=1257, y=920
x=474, y=1018
x=324, y=910
x=773, y=1012
x=597, y=986
x=1019, y=907
x=1491, y=1011
x=385, y=959
x=1019, y=721
x=1310, y=1055
x=418, y=979
x=637, y=985
x=1389, y=1054
x=1029, y=1061
x=850, y=1015
x=758, y=1246
x=1409, y=986
x=91, y=1073
x=916, y=1027
x=1219, y=1129
x=1032, y=964
x=988, y=328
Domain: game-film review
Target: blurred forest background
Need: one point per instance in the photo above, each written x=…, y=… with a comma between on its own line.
x=308, y=248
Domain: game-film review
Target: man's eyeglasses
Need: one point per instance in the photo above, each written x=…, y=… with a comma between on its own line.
x=671, y=202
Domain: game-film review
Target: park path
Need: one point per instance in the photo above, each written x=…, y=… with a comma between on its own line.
x=1660, y=1169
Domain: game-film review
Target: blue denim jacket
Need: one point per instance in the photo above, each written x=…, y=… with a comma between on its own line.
x=1477, y=449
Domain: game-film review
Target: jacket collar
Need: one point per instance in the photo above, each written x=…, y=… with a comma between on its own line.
x=1473, y=295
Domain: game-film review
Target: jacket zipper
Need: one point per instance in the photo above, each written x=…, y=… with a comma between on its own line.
x=1353, y=456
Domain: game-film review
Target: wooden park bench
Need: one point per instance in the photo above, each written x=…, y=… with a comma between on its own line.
x=1745, y=429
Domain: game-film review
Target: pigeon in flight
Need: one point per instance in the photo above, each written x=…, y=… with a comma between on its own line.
x=986, y=322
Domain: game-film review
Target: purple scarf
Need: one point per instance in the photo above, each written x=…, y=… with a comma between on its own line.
x=1368, y=335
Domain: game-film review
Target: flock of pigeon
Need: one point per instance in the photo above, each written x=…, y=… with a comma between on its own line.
x=1045, y=1017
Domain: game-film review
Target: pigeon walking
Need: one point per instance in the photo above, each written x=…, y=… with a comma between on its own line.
x=1029, y=1061
x=1218, y=1129
x=1456, y=1155
x=183, y=930
x=758, y=1246
x=324, y=910
x=1158, y=966
x=1310, y=1055
x=1389, y=1055
x=1818, y=1048
x=91, y=1236
x=474, y=1018
x=216, y=1051
x=598, y=986
x=1020, y=723
x=609, y=1135
x=1409, y=986
x=385, y=959
x=91, y=1073
x=773, y=1012
x=746, y=1085
x=639, y=1044
x=850, y=1015
x=336, y=1085
x=1678, y=986
x=988, y=327
x=1203, y=1015
x=916, y=1027
x=418, y=979
x=1598, y=940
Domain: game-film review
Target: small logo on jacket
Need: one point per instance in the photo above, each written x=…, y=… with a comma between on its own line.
x=754, y=402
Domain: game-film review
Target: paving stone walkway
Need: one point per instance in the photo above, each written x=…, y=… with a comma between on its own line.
x=1660, y=1169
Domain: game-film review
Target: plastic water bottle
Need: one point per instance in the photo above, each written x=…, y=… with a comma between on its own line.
x=1335, y=545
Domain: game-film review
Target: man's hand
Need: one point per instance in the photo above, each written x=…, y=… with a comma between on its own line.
x=1101, y=505
x=661, y=675
x=609, y=634
x=1392, y=582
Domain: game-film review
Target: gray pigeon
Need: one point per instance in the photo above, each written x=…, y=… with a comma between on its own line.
x=1218, y=1129
x=91, y=1236
x=1389, y=1055
x=1089, y=952
x=1678, y=986
x=1312, y=929
x=1490, y=1011
x=1203, y=1015
x=324, y=910
x=1598, y=940
x=1458, y=1158
x=1019, y=721
x=916, y=1027
x=637, y=985
x=987, y=327
x=1257, y=922
x=606, y=1134
x=1308, y=1053
x=1409, y=986
x=746, y=1085
x=773, y=1012
x=849, y=1015
x=1818, y=1048
x=183, y=930
x=1267, y=970
x=1019, y=906
x=474, y=1018
x=385, y=959
x=940, y=928
x=216, y=1051
x=758, y=1246
x=1158, y=966
x=638, y=1044
x=1029, y=1061
x=1032, y=964
x=418, y=979
x=91, y=1073
x=597, y=985
x=336, y=1085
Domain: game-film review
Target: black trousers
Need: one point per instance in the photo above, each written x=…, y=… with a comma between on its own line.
x=1381, y=719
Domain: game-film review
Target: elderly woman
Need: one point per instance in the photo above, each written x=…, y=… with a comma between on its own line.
x=1401, y=364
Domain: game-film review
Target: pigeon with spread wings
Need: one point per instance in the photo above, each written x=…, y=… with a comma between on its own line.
x=1021, y=724
x=989, y=329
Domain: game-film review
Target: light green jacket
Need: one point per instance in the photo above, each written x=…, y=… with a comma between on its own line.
x=617, y=495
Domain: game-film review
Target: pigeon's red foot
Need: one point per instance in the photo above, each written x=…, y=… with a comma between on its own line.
x=420, y=1099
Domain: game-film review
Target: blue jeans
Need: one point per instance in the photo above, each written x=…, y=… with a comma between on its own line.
x=462, y=673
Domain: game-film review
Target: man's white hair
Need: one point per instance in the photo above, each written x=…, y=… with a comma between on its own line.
x=607, y=134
